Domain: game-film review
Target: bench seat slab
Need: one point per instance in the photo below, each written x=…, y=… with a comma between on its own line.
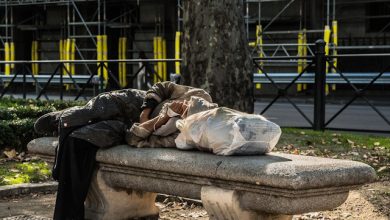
x=272, y=186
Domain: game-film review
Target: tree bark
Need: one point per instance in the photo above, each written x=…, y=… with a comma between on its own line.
x=215, y=52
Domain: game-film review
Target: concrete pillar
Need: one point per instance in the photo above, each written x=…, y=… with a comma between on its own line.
x=106, y=203
x=222, y=204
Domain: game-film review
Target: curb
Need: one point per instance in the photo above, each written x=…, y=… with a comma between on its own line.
x=26, y=188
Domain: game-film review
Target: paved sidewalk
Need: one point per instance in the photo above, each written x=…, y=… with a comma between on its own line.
x=26, y=217
x=370, y=202
x=38, y=204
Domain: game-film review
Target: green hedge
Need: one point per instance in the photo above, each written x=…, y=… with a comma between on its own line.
x=17, y=117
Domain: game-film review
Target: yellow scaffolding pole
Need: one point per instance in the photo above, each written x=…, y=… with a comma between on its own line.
x=12, y=55
x=72, y=56
x=160, y=56
x=124, y=65
x=155, y=56
x=159, y=53
x=122, y=45
x=164, y=56
x=60, y=49
x=335, y=43
x=177, y=51
x=327, y=40
x=99, y=52
x=300, y=54
x=105, y=57
x=34, y=57
x=259, y=46
x=68, y=56
x=7, y=69
x=304, y=54
x=120, y=58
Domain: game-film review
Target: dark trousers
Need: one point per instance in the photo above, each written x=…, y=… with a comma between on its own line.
x=75, y=165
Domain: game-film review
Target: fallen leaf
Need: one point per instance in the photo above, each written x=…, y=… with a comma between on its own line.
x=377, y=143
x=296, y=151
x=10, y=153
x=381, y=169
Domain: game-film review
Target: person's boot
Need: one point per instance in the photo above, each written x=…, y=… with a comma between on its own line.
x=48, y=123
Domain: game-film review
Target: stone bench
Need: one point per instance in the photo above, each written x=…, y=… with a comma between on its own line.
x=274, y=186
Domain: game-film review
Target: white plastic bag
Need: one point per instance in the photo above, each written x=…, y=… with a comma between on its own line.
x=226, y=131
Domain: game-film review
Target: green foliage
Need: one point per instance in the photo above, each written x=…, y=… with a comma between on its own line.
x=17, y=133
x=334, y=140
x=30, y=111
x=17, y=117
x=26, y=172
x=57, y=104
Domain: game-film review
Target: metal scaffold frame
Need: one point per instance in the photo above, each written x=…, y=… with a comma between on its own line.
x=86, y=35
x=83, y=35
x=35, y=2
x=7, y=47
x=281, y=48
x=277, y=48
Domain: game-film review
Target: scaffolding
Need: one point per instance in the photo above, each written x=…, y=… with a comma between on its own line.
x=84, y=34
x=35, y=2
x=7, y=47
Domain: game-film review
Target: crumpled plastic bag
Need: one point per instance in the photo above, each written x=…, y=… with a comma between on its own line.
x=225, y=131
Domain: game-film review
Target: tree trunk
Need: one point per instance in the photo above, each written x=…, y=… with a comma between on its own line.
x=215, y=52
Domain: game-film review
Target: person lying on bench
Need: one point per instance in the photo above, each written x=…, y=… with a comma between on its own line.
x=199, y=124
x=101, y=123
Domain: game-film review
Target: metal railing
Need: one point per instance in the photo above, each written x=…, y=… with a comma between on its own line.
x=319, y=78
x=62, y=76
x=314, y=73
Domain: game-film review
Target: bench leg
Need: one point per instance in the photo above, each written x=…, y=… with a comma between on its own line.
x=105, y=202
x=223, y=204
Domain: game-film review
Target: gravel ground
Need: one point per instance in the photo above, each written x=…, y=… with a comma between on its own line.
x=370, y=202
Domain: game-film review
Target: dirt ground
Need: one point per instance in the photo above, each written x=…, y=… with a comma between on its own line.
x=372, y=201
